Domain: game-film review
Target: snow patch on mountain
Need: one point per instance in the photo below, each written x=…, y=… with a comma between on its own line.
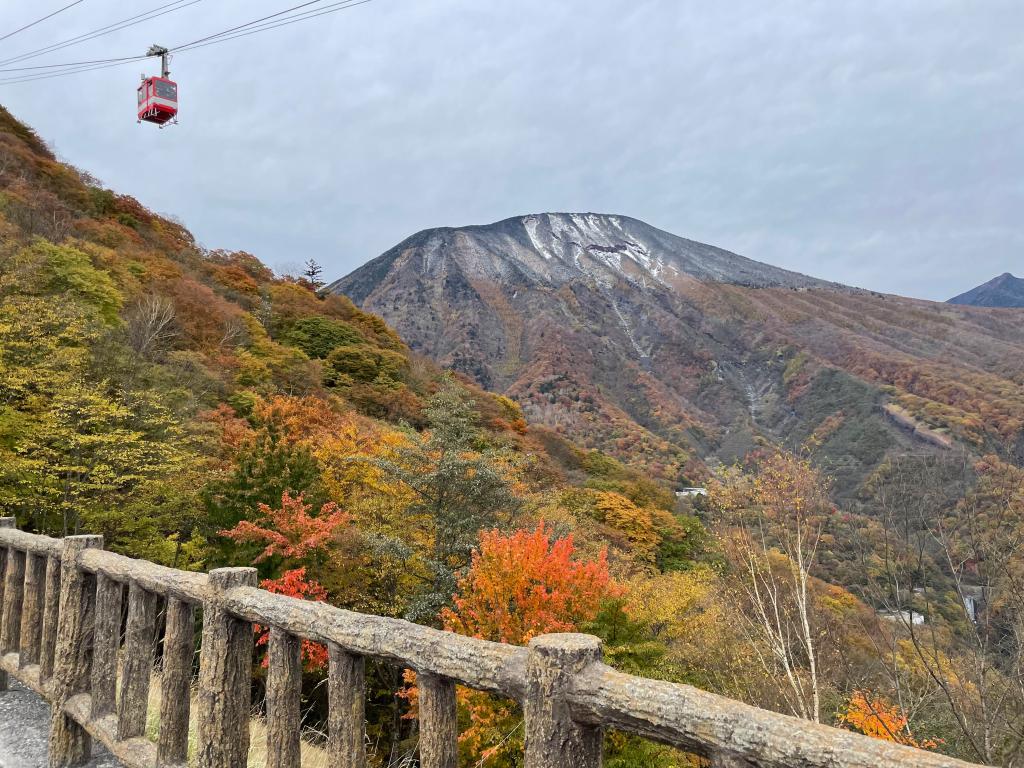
x=553, y=249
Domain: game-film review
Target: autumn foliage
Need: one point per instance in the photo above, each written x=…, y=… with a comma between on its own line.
x=199, y=411
x=291, y=532
x=525, y=584
x=876, y=716
x=520, y=585
x=294, y=583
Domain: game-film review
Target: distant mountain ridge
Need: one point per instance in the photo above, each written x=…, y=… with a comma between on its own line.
x=1003, y=291
x=674, y=354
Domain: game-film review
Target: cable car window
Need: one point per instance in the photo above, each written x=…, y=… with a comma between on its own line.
x=165, y=90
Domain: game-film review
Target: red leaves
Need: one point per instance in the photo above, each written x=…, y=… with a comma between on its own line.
x=294, y=583
x=291, y=532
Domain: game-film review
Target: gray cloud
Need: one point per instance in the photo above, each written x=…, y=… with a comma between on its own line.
x=872, y=142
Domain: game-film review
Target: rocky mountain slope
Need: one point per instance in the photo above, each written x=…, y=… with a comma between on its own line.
x=1003, y=291
x=673, y=354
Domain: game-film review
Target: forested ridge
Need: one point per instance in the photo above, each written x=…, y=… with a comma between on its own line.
x=198, y=411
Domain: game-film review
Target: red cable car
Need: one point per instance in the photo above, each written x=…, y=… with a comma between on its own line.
x=158, y=96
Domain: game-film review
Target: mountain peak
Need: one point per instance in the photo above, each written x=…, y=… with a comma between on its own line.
x=1002, y=291
x=557, y=248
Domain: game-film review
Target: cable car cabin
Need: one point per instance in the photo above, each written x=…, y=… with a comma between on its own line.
x=158, y=100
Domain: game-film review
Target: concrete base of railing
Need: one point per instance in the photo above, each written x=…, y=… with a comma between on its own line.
x=135, y=752
x=27, y=676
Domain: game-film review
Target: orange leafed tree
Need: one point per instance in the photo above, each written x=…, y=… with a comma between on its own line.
x=523, y=585
x=291, y=532
x=299, y=419
x=519, y=586
x=235, y=432
x=876, y=716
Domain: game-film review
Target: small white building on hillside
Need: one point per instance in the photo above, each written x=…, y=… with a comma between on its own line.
x=682, y=493
x=904, y=616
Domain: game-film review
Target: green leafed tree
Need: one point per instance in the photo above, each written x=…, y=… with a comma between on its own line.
x=76, y=444
x=261, y=473
x=318, y=336
x=460, y=487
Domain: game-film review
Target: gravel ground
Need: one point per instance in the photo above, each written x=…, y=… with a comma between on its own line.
x=24, y=723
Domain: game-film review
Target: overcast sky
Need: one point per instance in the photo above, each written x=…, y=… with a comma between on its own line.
x=873, y=142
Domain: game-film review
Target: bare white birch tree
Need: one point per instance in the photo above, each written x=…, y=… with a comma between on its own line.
x=773, y=524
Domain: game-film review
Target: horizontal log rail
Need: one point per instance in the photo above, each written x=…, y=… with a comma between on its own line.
x=63, y=634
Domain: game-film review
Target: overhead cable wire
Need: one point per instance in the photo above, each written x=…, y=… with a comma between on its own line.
x=39, y=21
x=85, y=36
x=248, y=24
x=339, y=6
x=28, y=78
x=242, y=30
x=71, y=64
x=116, y=26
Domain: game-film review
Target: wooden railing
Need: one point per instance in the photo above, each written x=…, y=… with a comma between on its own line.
x=61, y=635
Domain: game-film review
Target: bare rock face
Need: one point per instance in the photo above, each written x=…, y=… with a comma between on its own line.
x=468, y=297
x=552, y=249
x=667, y=352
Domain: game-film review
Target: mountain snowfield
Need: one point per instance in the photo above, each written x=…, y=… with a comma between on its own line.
x=675, y=355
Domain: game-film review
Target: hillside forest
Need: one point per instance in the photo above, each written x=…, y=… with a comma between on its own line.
x=199, y=411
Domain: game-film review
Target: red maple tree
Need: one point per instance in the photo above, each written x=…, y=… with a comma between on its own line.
x=294, y=583
x=291, y=532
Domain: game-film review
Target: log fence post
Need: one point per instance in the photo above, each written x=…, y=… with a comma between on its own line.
x=346, y=691
x=439, y=725
x=720, y=759
x=225, y=669
x=106, y=642
x=5, y=522
x=136, y=662
x=32, y=609
x=51, y=609
x=284, y=690
x=69, y=742
x=14, y=595
x=176, y=684
x=553, y=738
